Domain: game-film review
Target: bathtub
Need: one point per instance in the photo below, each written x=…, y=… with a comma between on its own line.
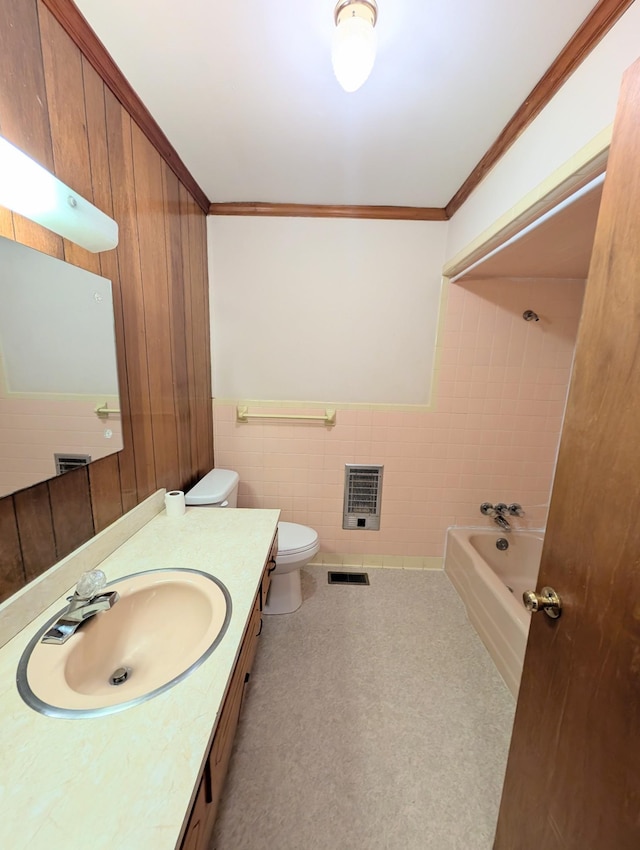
x=491, y=584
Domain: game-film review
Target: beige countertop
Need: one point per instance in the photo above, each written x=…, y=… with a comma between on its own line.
x=125, y=781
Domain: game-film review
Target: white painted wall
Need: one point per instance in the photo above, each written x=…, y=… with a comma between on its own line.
x=331, y=310
x=346, y=310
x=579, y=111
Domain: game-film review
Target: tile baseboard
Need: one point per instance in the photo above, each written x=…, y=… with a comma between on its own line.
x=394, y=562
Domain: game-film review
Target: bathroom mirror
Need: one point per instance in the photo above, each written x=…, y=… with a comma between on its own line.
x=57, y=367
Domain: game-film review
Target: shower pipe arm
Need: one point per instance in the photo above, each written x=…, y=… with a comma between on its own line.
x=243, y=415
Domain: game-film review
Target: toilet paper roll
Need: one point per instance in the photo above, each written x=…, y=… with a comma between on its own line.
x=174, y=503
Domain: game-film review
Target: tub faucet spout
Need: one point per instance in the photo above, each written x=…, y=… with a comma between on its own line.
x=502, y=523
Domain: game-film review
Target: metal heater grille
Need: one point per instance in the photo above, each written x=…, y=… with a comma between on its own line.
x=64, y=463
x=362, y=496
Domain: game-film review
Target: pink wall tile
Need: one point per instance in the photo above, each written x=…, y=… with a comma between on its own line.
x=33, y=430
x=492, y=434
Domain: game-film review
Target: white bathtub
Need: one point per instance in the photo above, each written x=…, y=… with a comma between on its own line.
x=491, y=584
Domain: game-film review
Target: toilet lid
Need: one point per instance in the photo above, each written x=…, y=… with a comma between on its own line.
x=294, y=538
x=215, y=487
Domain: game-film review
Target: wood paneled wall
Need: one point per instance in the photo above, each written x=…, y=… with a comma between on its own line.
x=55, y=107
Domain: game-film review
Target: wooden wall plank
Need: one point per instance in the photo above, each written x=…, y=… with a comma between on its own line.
x=71, y=510
x=187, y=241
x=6, y=224
x=65, y=96
x=133, y=307
x=106, y=496
x=203, y=344
x=35, y=528
x=179, y=330
x=95, y=108
x=12, y=575
x=160, y=316
x=153, y=263
x=24, y=118
x=200, y=331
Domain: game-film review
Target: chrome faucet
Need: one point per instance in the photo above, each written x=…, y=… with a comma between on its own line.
x=502, y=522
x=499, y=513
x=88, y=600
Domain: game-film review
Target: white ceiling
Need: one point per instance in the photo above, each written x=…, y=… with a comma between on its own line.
x=246, y=94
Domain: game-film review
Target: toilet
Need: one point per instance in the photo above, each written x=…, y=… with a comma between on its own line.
x=218, y=489
x=297, y=544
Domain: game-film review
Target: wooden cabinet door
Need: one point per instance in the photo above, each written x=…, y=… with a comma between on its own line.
x=198, y=829
x=223, y=741
x=198, y=832
x=573, y=775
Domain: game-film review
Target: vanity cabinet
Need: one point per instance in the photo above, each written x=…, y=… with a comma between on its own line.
x=271, y=565
x=197, y=835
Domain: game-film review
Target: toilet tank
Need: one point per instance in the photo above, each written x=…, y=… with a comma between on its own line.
x=218, y=489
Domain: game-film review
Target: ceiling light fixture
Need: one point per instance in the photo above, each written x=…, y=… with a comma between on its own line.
x=29, y=189
x=354, y=42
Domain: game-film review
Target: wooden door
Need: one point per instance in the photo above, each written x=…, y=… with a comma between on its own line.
x=573, y=775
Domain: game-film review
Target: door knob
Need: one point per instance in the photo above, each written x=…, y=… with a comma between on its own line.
x=547, y=600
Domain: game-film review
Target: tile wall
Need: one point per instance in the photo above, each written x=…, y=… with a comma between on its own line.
x=491, y=433
x=33, y=430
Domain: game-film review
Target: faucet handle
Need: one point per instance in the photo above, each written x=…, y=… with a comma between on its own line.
x=515, y=509
x=90, y=583
x=487, y=509
x=501, y=509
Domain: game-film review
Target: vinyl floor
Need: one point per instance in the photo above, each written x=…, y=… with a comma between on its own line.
x=374, y=720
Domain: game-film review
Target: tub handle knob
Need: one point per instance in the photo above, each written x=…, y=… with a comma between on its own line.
x=547, y=600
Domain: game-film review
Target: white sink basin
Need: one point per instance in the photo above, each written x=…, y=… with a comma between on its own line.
x=165, y=623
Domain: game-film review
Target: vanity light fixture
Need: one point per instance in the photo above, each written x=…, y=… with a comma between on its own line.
x=30, y=190
x=354, y=42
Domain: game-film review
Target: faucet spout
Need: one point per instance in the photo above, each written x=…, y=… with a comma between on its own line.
x=82, y=607
x=502, y=523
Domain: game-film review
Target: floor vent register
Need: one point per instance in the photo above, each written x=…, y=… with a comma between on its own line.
x=348, y=578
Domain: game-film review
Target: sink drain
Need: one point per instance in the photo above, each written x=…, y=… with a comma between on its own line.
x=120, y=675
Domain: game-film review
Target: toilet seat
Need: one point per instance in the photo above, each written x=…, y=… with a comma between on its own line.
x=297, y=545
x=295, y=539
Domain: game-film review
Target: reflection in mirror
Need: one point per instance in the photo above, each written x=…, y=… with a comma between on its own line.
x=57, y=365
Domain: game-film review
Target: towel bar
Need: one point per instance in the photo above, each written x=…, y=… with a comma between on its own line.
x=104, y=410
x=243, y=415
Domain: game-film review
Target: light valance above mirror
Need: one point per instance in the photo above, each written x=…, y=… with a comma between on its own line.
x=29, y=189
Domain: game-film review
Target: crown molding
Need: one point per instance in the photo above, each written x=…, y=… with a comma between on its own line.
x=592, y=30
x=329, y=211
x=77, y=28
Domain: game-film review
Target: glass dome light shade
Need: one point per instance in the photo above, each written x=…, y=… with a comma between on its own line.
x=354, y=51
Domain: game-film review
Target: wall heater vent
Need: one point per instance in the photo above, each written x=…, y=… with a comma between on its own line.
x=362, y=496
x=65, y=463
